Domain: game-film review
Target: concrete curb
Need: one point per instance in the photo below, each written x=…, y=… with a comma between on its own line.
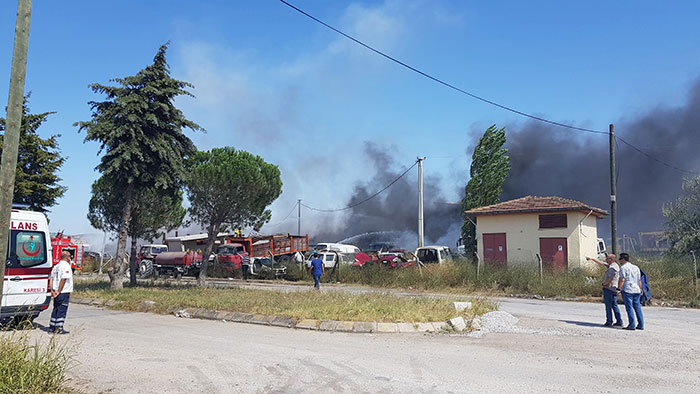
x=360, y=327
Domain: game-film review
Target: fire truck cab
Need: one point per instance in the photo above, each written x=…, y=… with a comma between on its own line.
x=76, y=250
x=25, y=292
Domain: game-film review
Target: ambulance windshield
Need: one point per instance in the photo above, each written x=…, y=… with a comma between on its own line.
x=27, y=249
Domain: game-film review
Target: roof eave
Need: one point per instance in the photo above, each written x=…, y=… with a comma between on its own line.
x=594, y=211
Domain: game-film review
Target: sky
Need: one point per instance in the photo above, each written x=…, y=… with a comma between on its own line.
x=273, y=82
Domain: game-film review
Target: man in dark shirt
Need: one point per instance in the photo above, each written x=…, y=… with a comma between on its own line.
x=245, y=265
x=317, y=270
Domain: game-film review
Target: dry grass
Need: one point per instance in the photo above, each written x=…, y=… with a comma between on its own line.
x=298, y=304
x=670, y=280
x=27, y=368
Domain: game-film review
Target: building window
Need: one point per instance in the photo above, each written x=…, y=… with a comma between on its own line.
x=553, y=221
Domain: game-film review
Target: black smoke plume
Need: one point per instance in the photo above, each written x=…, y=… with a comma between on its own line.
x=395, y=210
x=546, y=161
x=551, y=161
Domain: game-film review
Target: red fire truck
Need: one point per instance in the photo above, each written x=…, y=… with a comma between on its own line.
x=60, y=243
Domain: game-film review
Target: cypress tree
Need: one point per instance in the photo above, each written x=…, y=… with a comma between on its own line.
x=38, y=162
x=140, y=132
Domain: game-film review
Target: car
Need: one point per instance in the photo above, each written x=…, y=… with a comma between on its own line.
x=433, y=254
x=266, y=267
x=331, y=257
x=336, y=247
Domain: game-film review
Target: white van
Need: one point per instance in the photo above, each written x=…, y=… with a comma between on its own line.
x=330, y=258
x=335, y=247
x=25, y=291
x=433, y=254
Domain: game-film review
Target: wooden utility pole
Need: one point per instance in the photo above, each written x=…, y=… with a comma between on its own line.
x=12, y=126
x=613, y=191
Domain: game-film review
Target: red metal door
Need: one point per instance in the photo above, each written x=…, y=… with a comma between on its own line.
x=554, y=254
x=495, y=249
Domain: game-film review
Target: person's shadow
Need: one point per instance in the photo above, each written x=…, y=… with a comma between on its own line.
x=581, y=323
x=42, y=328
x=22, y=326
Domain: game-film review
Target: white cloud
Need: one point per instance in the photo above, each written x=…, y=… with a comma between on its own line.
x=286, y=111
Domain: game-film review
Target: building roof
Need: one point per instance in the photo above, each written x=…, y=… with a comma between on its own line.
x=195, y=237
x=531, y=204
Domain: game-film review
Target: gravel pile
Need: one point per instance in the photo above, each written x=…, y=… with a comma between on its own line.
x=499, y=321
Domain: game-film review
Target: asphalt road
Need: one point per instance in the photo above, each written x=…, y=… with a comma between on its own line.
x=558, y=348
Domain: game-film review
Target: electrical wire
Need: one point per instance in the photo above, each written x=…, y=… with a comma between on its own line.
x=286, y=217
x=474, y=96
x=440, y=81
x=366, y=199
x=655, y=158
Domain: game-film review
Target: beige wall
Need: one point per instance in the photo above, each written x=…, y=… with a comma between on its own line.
x=523, y=236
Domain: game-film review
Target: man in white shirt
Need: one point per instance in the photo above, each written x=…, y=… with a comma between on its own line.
x=60, y=285
x=630, y=286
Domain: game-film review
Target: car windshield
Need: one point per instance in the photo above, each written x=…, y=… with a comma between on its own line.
x=225, y=250
x=428, y=255
x=159, y=249
x=266, y=261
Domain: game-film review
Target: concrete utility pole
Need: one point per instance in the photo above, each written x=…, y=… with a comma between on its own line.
x=299, y=217
x=102, y=255
x=420, y=201
x=613, y=191
x=12, y=126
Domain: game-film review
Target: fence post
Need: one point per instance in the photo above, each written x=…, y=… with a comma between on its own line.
x=695, y=271
x=539, y=263
x=478, y=263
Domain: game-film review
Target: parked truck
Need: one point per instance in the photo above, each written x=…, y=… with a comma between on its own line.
x=264, y=251
x=155, y=262
x=280, y=247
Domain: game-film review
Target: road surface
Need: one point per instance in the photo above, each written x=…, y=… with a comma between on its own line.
x=560, y=349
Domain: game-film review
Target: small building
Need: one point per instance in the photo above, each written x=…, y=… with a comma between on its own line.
x=561, y=231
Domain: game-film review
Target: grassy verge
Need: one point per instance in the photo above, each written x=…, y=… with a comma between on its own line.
x=298, y=305
x=670, y=280
x=32, y=368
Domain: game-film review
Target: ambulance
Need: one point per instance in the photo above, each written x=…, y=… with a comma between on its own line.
x=25, y=291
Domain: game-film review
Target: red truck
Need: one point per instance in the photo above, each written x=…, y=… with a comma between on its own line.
x=62, y=243
x=261, y=248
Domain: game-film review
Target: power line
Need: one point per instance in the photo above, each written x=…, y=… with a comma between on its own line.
x=655, y=158
x=474, y=96
x=286, y=217
x=440, y=81
x=366, y=199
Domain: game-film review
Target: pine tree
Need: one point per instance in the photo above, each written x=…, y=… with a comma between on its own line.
x=230, y=187
x=489, y=169
x=140, y=131
x=38, y=162
x=152, y=213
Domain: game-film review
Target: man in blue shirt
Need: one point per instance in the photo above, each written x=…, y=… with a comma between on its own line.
x=317, y=270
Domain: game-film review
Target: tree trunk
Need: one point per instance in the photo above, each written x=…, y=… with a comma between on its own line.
x=116, y=274
x=212, y=232
x=133, y=269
